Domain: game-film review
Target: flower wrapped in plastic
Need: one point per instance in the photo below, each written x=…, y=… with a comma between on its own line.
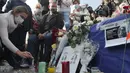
x=89, y=51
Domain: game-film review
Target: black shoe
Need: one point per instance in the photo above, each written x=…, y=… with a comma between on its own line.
x=16, y=67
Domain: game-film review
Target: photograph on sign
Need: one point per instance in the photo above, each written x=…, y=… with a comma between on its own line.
x=115, y=33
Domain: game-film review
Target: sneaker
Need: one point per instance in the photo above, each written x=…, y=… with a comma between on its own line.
x=24, y=64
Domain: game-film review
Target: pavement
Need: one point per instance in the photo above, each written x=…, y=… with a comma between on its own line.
x=6, y=68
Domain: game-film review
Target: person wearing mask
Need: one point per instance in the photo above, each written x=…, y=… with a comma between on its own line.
x=19, y=40
x=8, y=23
x=19, y=35
x=52, y=19
x=38, y=13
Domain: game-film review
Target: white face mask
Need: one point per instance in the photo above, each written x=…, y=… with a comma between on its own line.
x=18, y=19
x=23, y=0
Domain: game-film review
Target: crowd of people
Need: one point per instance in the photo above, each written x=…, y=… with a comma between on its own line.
x=17, y=20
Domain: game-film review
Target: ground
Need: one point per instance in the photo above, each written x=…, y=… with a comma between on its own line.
x=8, y=69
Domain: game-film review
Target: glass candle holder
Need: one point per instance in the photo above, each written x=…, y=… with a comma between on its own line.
x=51, y=70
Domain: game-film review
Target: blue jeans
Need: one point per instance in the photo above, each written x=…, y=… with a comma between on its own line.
x=66, y=20
x=33, y=48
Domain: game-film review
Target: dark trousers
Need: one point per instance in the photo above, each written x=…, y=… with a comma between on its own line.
x=1, y=53
x=18, y=39
x=44, y=49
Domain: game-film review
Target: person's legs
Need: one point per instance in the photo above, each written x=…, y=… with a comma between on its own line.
x=33, y=47
x=11, y=58
x=47, y=49
x=17, y=37
x=1, y=54
x=66, y=19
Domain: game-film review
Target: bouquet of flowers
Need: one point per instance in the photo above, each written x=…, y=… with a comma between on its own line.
x=78, y=33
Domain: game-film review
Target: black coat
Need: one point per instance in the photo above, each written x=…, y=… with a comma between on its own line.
x=55, y=21
x=2, y=3
x=44, y=4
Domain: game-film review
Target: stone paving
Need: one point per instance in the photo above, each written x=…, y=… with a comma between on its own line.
x=8, y=69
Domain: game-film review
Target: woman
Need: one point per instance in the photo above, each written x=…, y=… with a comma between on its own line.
x=8, y=22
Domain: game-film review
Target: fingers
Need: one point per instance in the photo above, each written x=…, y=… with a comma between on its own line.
x=40, y=36
x=27, y=55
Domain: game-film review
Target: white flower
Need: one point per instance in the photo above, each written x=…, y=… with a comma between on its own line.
x=99, y=18
x=90, y=22
x=83, y=23
x=75, y=22
x=76, y=31
x=77, y=18
x=87, y=18
x=74, y=38
x=75, y=27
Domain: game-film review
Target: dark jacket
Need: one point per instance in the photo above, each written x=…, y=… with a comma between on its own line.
x=112, y=7
x=2, y=3
x=55, y=21
x=44, y=4
x=28, y=21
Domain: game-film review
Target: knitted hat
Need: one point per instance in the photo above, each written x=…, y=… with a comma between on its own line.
x=52, y=5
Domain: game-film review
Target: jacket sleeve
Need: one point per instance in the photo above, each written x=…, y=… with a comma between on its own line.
x=60, y=21
x=47, y=35
x=5, y=39
x=8, y=6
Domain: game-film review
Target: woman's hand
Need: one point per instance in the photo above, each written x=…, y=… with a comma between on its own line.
x=24, y=54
